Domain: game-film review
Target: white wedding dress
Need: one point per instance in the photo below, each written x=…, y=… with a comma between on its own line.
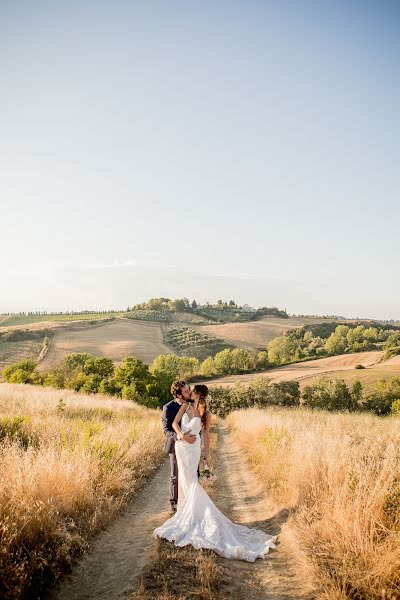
x=197, y=520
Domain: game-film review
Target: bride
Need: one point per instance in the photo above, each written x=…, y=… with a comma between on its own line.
x=198, y=521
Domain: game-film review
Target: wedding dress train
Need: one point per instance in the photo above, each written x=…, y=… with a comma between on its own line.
x=197, y=520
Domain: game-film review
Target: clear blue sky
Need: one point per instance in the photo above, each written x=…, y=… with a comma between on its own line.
x=207, y=149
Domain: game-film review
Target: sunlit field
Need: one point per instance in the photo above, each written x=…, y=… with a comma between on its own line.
x=68, y=462
x=340, y=474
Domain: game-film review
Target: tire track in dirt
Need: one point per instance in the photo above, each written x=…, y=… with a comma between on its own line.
x=110, y=569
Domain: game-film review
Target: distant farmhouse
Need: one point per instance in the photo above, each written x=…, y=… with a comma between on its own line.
x=249, y=309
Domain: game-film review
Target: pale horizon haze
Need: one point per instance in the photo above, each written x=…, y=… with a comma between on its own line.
x=235, y=150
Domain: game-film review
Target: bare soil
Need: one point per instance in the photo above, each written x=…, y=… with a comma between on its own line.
x=257, y=334
x=116, y=340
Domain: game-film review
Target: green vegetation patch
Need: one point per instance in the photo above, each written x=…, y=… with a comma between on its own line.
x=189, y=342
x=148, y=315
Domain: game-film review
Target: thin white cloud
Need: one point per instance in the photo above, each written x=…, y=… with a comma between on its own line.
x=117, y=264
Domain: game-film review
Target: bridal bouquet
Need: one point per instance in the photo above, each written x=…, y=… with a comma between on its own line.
x=205, y=474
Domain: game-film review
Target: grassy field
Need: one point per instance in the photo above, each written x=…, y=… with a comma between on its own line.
x=337, y=475
x=385, y=370
x=30, y=319
x=11, y=352
x=116, y=339
x=69, y=462
x=257, y=334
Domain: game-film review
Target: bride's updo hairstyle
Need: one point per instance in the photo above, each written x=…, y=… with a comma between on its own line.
x=202, y=390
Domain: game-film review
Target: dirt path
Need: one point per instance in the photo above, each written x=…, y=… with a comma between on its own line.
x=284, y=574
x=112, y=569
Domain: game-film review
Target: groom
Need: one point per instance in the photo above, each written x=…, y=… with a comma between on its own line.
x=181, y=392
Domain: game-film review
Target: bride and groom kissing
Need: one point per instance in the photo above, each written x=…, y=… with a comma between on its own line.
x=196, y=520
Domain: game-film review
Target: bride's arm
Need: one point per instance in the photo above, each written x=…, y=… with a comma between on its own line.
x=188, y=437
x=206, y=437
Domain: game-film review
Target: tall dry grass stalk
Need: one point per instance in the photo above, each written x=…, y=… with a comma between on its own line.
x=68, y=462
x=341, y=473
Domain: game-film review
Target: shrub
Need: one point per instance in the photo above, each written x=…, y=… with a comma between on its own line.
x=175, y=366
x=259, y=393
x=392, y=345
x=395, y=408
x=380, y=401
x=328, y=394
x=101, y=366
x=20, y=372
x=359, y=367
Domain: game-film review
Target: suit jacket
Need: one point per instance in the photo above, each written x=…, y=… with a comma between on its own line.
x=169, y=412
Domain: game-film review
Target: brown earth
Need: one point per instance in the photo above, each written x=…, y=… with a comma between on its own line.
x=257, y=334
x=116, y=340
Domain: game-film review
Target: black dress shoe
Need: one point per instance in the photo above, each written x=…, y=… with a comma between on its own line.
x=173, y=507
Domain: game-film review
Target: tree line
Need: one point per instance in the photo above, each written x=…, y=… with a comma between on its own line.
x=322, y=394
x=318, y=342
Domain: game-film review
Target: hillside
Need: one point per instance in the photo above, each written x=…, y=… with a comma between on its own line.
x=116, y=339
x=257, y=334
x=331, y=366
x=26, y=342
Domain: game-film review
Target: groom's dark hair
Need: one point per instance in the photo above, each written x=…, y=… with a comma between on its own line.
x=176, y=388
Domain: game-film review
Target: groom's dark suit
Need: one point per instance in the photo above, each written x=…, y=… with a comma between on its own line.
x=169, y=412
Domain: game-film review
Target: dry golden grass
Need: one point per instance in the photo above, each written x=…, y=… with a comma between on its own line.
x=116, y=339
x=65, y=470
x=340, y=472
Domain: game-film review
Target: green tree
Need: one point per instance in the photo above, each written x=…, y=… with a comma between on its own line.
x=392, y=345
x=109, y=387
x=328, y=394
x=207, y=367
x=356, y=393
x=175, y=366
x=101, y=366
x=281, y=350
x=371, y=335
x=132, y=371
x=223, y=362
x=76, y=360
x=383, y=396
x=337, y=341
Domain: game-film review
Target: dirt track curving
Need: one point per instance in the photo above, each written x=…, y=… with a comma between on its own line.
x=112, y=568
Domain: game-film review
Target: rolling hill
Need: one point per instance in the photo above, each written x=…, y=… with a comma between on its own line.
x=341, y=366
x=115, y=339
x=257, y=334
